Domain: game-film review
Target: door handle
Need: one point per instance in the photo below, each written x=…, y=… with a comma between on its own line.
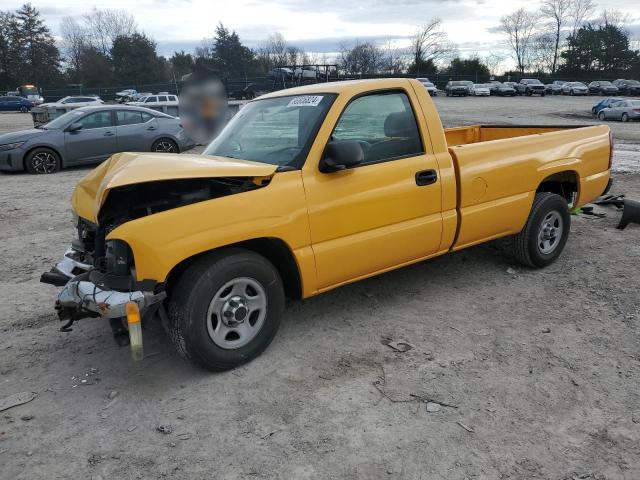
x=426, y=177
x=151, y=128
x=109, y=134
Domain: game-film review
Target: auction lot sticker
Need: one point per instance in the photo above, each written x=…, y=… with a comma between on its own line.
x=306, y=101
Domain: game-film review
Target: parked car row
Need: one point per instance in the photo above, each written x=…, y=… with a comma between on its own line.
x=617, y=109
x=597, y=87
x=533, y=86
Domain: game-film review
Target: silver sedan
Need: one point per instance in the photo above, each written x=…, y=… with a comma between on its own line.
x=624, y=111
x=90, y=135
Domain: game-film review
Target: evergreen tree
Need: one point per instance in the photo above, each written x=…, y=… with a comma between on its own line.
x=40, y=56
x=135, y=61
x=604, y=49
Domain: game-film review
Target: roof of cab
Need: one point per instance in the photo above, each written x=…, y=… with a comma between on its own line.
x=346, y=86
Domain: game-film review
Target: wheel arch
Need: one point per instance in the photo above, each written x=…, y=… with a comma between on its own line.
x=273, y=249
x=565, y=183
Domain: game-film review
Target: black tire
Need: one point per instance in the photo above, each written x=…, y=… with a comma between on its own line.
x=601, y=116
x=165, y=145
x=549, y=213
x=24, y=109
x=191, y=302
x=42, y=161
x=624, y=117
x=542, y=94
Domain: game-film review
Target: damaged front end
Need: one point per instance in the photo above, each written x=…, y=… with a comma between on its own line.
x=98, y=274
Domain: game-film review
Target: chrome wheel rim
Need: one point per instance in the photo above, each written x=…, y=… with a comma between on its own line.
x=237, y=313
x=165, y=146
x=44, y=162
x=550, y=232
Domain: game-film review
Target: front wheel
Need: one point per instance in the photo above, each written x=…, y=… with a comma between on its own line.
x=41, y=161
x=545, y=234
x=625, y=117
x=225, y=309
x=601, y=116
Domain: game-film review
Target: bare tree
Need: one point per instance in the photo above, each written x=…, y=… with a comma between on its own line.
x=104, y=25
x=493, y=62
x=520, y=27
x=580, y=10
x=430, y=43
x=74, y=40
x=558, y=12
x=274, y=52
x=394, y=61
x=543, y=52
x=362, y=58
x=613, y=17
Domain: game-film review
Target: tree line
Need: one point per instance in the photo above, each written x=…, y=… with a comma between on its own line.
x=106, y=47
x=568, y=38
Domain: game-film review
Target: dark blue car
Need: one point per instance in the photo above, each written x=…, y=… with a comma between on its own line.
x=604, y=104
x=15, y=104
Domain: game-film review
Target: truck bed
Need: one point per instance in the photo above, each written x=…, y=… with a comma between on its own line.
x=484, y=133
x=498, y=170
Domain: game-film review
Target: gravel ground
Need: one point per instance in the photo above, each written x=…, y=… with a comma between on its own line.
x=535, y=372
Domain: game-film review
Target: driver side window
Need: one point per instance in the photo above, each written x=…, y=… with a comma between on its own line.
x=96, y=120
x=384, y=124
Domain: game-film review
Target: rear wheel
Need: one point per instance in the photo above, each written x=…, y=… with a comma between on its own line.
x=41, y=161
x=545, y=234
x=226, y=309
x=24, y=109
x=165, y=145
x=625, y=117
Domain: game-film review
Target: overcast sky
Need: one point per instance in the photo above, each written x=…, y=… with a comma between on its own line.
x=313, y=25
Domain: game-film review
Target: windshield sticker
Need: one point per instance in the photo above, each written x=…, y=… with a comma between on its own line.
x=306, y=101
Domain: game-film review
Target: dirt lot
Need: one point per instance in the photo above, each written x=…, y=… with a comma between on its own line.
x=540, y=369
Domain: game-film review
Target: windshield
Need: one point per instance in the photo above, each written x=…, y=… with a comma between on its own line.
x=277, y=131
x=28, y=90
x=63, y=120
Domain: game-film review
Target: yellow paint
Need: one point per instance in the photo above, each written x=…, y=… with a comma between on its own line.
x=352, y=224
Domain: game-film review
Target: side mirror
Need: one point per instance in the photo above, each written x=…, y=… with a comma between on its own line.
x=340, y=155
x=74, y=127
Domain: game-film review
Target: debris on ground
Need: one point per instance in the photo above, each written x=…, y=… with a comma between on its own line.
x=166, y=429
x=27, y=418
x=433, y=407
x=16, y=399
x=512, y=271
x=468, y=429
x=112, y=394
x=546, y=330
x=131, y=428
x=400, y=346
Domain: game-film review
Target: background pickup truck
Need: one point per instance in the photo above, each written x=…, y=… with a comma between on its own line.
x=305, y=190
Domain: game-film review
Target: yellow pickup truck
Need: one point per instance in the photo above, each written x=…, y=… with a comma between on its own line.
x=305, y=190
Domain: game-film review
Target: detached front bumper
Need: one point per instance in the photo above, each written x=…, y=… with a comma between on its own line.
x=81, y=297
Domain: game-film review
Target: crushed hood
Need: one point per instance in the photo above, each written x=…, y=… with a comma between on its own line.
x=130, y=168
